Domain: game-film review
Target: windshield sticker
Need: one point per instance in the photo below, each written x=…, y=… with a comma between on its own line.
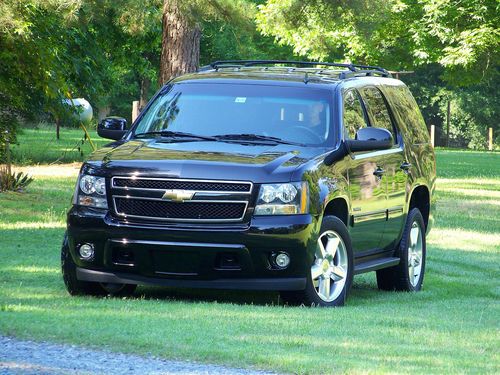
x=240, y=100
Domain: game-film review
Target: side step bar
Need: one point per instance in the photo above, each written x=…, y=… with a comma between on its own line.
x=375, y=264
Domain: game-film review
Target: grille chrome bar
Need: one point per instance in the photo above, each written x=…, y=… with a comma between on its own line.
x=169, y=184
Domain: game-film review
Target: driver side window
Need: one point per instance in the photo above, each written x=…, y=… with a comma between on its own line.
x=354, y=117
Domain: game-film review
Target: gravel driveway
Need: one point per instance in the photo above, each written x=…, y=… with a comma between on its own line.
x=28, y=357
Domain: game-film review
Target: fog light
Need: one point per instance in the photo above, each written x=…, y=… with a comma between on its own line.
x=280, y=260
x=86, y=251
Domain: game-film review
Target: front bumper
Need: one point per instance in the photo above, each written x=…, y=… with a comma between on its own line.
x=282, y=283
x=193, y=256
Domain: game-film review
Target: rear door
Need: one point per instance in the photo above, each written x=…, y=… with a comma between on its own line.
x=367, y=190
x=393, y=161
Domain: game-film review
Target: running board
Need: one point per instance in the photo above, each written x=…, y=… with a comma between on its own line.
x=375, y=264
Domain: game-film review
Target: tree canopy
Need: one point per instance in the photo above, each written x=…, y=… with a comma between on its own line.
x=461, y=36
x=110, y=51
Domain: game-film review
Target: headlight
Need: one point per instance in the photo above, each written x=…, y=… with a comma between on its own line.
x=91, y=192
x=283, y=199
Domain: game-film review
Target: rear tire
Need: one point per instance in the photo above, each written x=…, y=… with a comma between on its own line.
x=408, y=275
x=329, y=278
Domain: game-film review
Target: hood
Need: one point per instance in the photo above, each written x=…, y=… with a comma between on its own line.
x=203, y=160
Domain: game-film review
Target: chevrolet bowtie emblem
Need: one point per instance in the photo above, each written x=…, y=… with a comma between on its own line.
x=178, y=195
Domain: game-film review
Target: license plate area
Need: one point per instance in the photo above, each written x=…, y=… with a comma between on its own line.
x=172, y=262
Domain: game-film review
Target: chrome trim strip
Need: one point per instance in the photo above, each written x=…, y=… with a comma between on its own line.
x=180, y=220
x=177, y=273
x=373, y=154
x=183, y=180
x=124, y=264
x=179, y=244
x=372, y=215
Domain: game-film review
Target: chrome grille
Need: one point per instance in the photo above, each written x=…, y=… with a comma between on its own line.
x=185, y=211
x=212, y=200
x=182, y=184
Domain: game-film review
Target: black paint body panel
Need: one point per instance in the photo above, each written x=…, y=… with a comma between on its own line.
x=376, y=207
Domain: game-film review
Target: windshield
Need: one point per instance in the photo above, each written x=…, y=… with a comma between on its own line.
x=292, y=114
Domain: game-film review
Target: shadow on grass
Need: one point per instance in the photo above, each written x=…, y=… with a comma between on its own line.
x=37, y=268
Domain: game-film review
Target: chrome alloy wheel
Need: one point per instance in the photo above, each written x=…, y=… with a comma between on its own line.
x=329, y=270
x=415, y=254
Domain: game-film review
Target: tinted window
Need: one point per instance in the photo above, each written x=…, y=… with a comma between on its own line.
x=406, y=109
x=377, y=109
x=354, y=117
x=292, y=113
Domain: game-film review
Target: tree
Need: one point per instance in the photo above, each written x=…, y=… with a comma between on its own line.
x=182, y=30
x=38, y=53
x=180, y=51
x=463, y=37
x=137, y=53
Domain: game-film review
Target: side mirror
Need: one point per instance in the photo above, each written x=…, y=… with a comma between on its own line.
x=112, y=128
x=371, y=139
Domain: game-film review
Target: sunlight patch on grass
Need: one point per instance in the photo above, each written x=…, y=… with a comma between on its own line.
x=465, y=240
x=478, y=192
x=34, y=269
x=479, y=202
x=33, y=225
x=54, y=171
x=473, y=182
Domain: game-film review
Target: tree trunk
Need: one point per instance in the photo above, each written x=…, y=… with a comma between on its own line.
x=180, y=50
x=143, y=99
x=103, y=112
x=58, y=127
x=448, y=112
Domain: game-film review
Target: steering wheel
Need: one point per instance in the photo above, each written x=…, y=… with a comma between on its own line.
x=312, y=135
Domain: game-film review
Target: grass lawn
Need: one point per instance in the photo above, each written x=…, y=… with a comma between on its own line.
x=452, y=326
x=40, y=145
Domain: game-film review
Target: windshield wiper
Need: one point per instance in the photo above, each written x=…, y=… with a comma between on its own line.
x=254, y=137
x=168, y=133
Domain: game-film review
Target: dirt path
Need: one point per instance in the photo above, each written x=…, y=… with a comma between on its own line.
x=28, y=357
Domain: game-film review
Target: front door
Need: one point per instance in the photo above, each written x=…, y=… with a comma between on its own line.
x=395, y=166
x=367, y=187
x=368, y=202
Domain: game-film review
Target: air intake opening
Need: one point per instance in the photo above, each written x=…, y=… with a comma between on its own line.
x=123, y=257
x=227, y=261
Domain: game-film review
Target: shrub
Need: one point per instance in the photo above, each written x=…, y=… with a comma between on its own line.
x=12, y=181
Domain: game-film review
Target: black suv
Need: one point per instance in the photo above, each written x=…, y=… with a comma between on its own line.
x=263, y=175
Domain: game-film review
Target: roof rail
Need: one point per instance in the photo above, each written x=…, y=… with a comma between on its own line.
x=368, y=73
x=353, y=68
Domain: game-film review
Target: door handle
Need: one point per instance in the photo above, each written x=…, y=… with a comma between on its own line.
x=379, y=172
x=405, y=166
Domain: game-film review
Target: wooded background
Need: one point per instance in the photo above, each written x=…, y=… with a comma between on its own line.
x=114, y=52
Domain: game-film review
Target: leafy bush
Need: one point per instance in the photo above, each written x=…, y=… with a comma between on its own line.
x=12, y=181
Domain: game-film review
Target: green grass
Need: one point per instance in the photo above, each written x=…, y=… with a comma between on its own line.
x=40, y=145
x=452, y=326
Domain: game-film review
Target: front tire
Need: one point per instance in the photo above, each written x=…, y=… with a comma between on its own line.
x=408, y=275
x=119, y=290
x=74, y=286
x=77, y=287
x=329, y=278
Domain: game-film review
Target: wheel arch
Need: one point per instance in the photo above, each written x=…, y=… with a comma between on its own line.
x=420, y=198
x=338, y=207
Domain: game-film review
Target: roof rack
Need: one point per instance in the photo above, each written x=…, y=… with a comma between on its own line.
x=353, y=69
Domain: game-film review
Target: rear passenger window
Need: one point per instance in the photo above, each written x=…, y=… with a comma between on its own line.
x=406, y=109
x=354, y=117
x=378, y=112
